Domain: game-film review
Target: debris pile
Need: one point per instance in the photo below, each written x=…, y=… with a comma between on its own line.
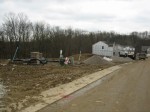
x=97, y=60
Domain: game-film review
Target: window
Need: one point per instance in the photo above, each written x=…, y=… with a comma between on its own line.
x=102, y=47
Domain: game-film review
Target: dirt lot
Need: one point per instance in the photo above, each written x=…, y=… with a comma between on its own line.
x=126, y=90
x=26, y=81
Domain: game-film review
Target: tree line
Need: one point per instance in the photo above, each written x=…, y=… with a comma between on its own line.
x=18, y=30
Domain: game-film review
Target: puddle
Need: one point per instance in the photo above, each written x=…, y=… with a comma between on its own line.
x=2, y=93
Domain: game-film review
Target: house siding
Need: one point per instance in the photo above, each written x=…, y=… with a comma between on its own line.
x=106, y=51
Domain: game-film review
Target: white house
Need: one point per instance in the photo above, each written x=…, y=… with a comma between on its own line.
x=102, y=48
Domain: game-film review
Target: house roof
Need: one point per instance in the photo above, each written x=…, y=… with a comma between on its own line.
x=109, y=44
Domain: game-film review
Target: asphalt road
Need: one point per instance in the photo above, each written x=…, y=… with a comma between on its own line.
x=127, y=90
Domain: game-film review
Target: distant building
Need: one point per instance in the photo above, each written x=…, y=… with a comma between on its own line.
x=104, y=49
x=146, y=49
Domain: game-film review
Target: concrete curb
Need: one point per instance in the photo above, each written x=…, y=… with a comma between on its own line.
x=54, y=94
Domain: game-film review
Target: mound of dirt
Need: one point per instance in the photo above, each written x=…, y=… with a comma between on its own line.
x=121, y=59
x=97, y=60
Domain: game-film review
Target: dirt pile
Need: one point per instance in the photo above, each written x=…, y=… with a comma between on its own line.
x=97, y=60
x=121, y=59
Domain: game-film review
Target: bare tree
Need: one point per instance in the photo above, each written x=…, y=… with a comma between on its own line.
x=24, y=27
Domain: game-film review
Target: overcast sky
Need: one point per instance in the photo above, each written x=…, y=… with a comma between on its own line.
x=122, y=16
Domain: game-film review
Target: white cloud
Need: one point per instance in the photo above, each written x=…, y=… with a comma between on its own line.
x=92, y=15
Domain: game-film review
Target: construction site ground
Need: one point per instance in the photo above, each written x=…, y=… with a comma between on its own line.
x=24, y=82
x=125, y=90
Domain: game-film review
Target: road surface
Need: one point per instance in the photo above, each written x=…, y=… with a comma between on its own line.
x=127, y=90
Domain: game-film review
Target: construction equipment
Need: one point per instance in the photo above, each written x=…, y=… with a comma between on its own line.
x=15, y=53
x=142, y=56
x=35, y=58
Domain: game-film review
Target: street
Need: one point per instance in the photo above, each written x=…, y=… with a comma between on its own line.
x=127, y=90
